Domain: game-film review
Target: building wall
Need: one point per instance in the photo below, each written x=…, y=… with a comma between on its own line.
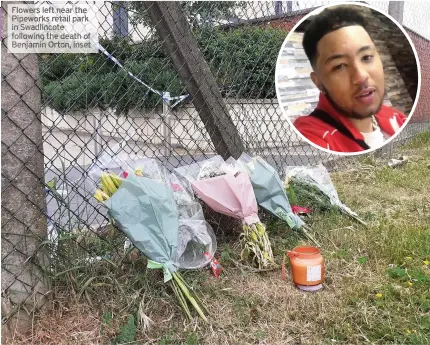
x=415, y=17
x=259, y=123
x=404, y=59
x=286, y=24
x=422, y=46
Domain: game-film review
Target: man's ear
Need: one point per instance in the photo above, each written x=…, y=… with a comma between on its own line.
x=317, y=82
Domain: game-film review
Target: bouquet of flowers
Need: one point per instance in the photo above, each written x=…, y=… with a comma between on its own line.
x=269, y=191
x=314, y=184
x=228, y=191
x=197, y=242
x=162, y=220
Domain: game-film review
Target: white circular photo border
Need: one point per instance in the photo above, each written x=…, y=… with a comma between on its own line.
x=314, y=12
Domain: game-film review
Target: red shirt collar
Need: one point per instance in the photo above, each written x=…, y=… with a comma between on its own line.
x=324, y=104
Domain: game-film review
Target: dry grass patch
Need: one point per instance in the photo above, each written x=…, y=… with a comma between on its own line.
x=376, y=291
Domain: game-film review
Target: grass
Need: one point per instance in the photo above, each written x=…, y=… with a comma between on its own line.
x=376, y=291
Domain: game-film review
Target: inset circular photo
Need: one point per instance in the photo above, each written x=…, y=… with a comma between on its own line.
x=347, y=78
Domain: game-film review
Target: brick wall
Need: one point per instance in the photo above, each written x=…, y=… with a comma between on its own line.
x=422, y=46
x=402, y=53
x=288, y=23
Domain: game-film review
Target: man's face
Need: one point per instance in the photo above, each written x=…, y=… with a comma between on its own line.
x=348, y=68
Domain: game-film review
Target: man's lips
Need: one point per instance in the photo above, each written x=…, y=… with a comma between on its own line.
x=366, y=96
x=365, y=92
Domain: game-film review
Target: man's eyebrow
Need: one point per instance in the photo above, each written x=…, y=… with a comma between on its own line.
x=362, y=49
x=334, y=57
x=339, y=56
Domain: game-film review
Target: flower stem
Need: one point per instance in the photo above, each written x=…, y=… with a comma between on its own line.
x=187, y=294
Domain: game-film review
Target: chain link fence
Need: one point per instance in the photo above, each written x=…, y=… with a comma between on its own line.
x=61, y=111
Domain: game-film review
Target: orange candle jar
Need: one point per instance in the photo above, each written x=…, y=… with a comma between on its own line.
x=307, y=267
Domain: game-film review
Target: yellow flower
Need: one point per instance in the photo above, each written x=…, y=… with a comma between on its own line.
x=410, y=284
x=409, y=258
x=379, y=295
x=408, y=331
x=426, y=262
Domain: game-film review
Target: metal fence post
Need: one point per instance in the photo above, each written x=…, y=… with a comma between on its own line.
x=395, y=10
x=97, y=114
x=120, y=19
x=166, y=124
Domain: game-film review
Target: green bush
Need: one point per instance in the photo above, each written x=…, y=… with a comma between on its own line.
x=242, y=60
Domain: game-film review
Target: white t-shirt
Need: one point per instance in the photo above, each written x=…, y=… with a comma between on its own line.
x=375, y=138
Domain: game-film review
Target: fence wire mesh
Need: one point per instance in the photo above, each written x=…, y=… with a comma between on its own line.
x=61, y=111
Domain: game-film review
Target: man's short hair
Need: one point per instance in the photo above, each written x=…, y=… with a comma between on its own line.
x=330, y=19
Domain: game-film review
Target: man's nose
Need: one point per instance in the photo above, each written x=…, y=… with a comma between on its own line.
x=360, y=75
